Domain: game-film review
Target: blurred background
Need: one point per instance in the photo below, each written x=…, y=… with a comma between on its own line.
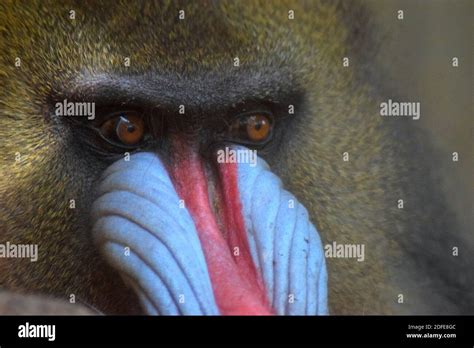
x=417, y=54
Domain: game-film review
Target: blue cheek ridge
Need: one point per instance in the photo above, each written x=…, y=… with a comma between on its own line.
x=285, y=245
x=138, y=208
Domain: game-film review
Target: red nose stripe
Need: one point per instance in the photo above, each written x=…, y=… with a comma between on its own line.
x=235, y=227
x=237, y=288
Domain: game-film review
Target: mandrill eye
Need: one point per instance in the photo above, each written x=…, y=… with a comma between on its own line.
x=126, y=128
x=253, y=128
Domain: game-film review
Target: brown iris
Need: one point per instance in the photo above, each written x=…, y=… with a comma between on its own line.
x=258, y=127
x=126, y=128
x=254, y=128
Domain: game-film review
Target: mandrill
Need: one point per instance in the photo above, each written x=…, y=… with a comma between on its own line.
x=114, y=118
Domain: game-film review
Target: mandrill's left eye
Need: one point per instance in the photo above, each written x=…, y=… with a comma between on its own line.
x=124, y=129
x=252, y=128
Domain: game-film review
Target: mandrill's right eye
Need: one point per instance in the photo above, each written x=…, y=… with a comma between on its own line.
x=126, y=129
x=252, y=128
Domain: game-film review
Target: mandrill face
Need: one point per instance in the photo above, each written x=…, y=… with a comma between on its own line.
x=191, y=157
x=173, y=165
x=194, y=236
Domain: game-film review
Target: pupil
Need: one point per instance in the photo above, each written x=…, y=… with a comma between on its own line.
x=128, y=124
x=258, y=125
